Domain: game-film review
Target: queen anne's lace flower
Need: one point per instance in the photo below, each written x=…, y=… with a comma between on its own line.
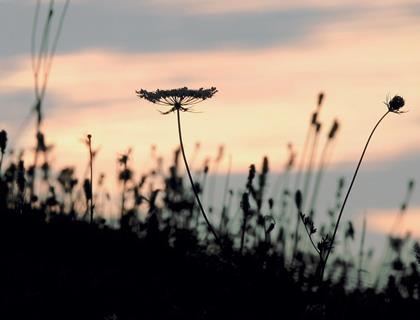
x=182, y=99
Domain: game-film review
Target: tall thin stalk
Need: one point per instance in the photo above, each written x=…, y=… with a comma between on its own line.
x=308, y=173
x=318, y=178
x=41, y=63
x=89, y=141
x=124, y=187
x=329, y=249
x=246, y=213
x=322, y=164
x=313, y=130
x=193, y=187
x=296, y=186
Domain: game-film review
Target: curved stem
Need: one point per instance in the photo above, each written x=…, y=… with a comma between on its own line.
x=348, y=193
x=191, y=179
x=309, y=235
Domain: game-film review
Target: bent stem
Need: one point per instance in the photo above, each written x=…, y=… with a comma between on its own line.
x=191, y=179
x=324, y=263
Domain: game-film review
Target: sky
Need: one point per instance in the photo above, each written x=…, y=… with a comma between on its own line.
x=268, y=59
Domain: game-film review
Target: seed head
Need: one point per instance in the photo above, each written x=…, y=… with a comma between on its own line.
x=292, y=156
x=3, y=141
x=270, y=203
x=395, y=104
x=251, y=176
x=411, y=184
x=314, y=118
x=41, y=145
x=87, y=189
x=320, y=99
x=334, y=129
x=298, y=200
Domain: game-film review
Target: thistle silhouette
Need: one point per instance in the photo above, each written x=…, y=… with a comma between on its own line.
x=182, y=99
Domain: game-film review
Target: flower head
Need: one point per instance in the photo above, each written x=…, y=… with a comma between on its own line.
x=182, y=99
x=395, y=104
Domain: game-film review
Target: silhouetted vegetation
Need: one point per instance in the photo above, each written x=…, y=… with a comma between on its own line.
x=256, y=253
x=62, y=259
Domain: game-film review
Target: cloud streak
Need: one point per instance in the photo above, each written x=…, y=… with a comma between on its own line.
x=141, y=28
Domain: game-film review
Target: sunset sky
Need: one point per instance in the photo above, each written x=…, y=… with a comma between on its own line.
x=269, y=60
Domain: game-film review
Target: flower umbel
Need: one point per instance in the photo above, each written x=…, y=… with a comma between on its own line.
x=395, y=104
x=182, y=99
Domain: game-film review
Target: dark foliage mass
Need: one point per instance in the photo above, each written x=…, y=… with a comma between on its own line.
x=59, y=261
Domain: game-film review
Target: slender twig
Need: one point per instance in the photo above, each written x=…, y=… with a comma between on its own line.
x=123, y=192
x=191, y=179
x=42, y=60
x=34, y=31
x=318, y=177
x=308, y=173
x=243, y=230
x=298, y=178
x=51, y=55
x=324, y=263
x=35, y=164
x=309, y=235
x=89, y=140
x=285, y=195
x=296, y=237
